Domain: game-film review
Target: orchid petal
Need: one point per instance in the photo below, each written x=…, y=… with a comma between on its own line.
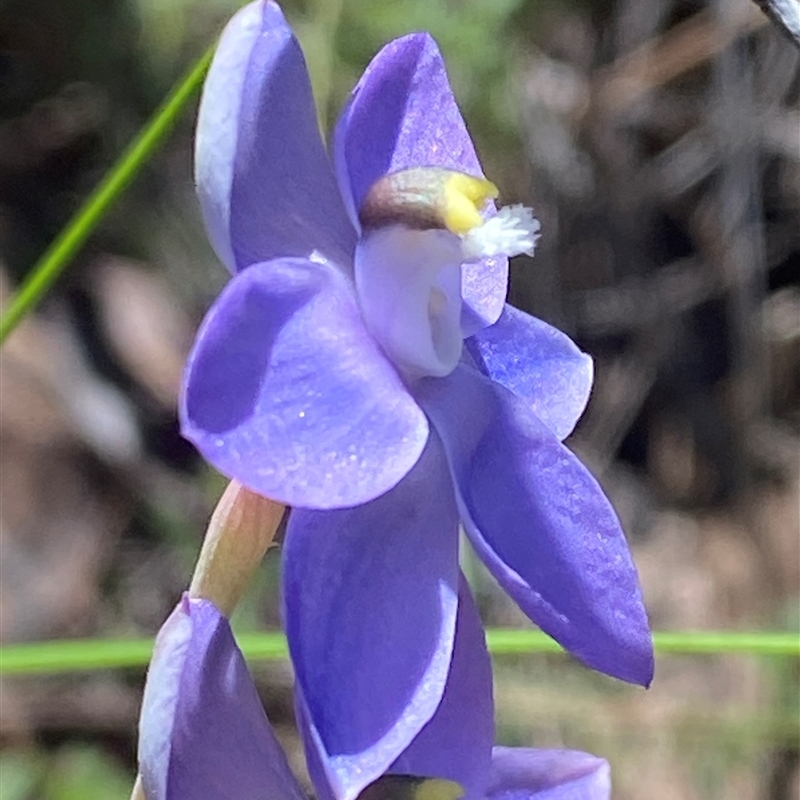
x=538, y=363
x=287, y=392
x=456, y=744
x=524, y=774
x=402, y=114
x=541, y=523
x=317, y=761
x=203, y=733
x=370, y=601
x=265, y=183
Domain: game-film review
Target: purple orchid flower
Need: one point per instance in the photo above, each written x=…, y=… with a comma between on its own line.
x=204, y=734
x=362, y=366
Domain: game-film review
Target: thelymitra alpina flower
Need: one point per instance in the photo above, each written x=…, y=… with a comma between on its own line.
x=362, y=367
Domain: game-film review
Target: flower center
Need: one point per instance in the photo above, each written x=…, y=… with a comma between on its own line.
x=419, y=226
x=409, y=288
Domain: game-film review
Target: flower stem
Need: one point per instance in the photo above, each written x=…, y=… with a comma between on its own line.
x=240, y=532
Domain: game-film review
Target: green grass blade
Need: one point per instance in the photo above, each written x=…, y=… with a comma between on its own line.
x=80, y=655
x=74, y=655
x=78, y=229
x=504, y=641
x=764, y=643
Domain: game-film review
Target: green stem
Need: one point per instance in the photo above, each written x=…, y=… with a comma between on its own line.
x=92, y=654
x=52, y=263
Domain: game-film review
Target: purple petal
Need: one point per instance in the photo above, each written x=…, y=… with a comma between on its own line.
x=539, y=363
x=403, y=114
x=456, y=744
x=483, y=289
x=316, y=755
x=287, y=392
x=541, y=523
x=203, y=734
x=522, y=774
x=265, y=183
x=370, y=600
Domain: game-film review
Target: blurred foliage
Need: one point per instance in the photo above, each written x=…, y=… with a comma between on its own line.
x=84, y=773
x=22, y=773
x=73, y=772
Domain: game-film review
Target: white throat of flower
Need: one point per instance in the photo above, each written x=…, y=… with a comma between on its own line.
x=409, y=289
x=420, y=226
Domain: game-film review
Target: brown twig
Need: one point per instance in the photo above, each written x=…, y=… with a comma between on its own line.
x=668, y=56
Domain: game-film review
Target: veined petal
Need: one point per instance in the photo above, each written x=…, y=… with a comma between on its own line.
x=525, y=774
x=370, y=600
x=203, y=733
x=402, y=114
x=265, y=183
x=539, y=363
x=287, y=392
x=456, y=744
x=541, y=523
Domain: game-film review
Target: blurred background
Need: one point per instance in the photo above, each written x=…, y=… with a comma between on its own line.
x=658, y=144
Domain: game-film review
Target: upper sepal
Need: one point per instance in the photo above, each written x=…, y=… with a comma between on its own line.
x=265, y=183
